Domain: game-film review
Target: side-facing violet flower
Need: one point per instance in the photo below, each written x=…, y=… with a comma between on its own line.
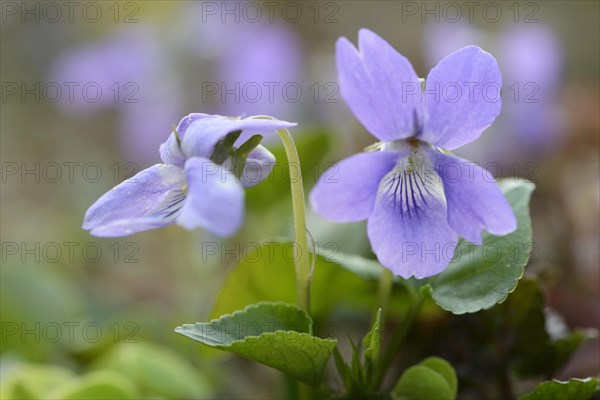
x=417, y=197
x=200, y=184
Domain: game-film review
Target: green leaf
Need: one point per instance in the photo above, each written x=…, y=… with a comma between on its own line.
x=481, y=276
x=157, y=370
x=342, y=367
x=443, y=368
x=420, y=382
x=369, y=270
x=564, y=348
x=274, y=334
x=357, y=372
x=372, y=343
x=433, y=378
x=574, y=389
x=252, y=321
x=96, y=385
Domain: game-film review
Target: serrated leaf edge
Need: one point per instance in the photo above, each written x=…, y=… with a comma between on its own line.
x=245, y=310
x=531, y=187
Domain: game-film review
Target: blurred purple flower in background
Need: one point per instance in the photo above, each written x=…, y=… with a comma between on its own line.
x=142, y=124
x=128, y=70
x=195, y=187
x=135, y=72
x=253, y=62
x=530, y=58
x=262, y=60
x=415, y=208
x=121, y=57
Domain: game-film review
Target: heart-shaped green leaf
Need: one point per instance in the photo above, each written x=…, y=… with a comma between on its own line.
x=433, y=378
x=574, y=389
x=275, y=334
x=443, y=368
x=481, y=276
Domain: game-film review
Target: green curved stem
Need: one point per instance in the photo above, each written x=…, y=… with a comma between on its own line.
x=303, y=270
x=301, y=256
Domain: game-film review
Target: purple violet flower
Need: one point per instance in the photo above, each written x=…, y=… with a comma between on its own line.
x=197, y=186
x=417, y=197
x=531, y=57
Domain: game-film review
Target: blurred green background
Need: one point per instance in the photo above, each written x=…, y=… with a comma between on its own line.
x=90, y=89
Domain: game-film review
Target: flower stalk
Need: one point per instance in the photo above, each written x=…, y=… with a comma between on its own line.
x=303, y=269
x=301, y=255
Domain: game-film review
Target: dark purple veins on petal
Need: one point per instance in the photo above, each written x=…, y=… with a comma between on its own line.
x=408, y=192
x=174, y=204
